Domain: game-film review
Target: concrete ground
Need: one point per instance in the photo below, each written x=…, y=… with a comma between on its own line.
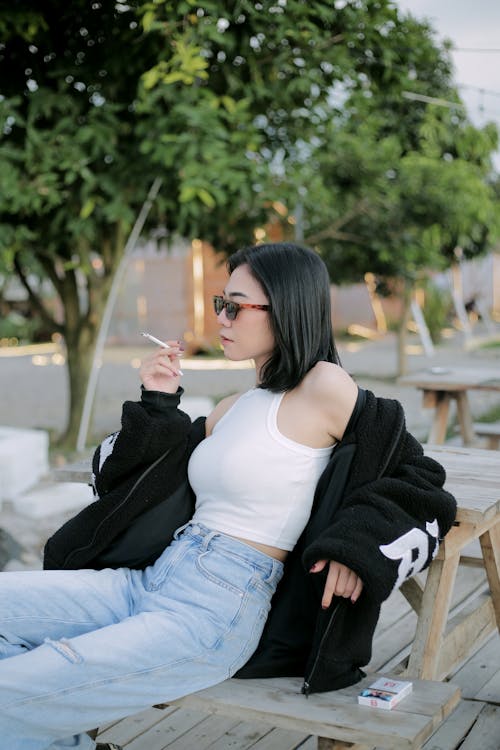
x=34, y=388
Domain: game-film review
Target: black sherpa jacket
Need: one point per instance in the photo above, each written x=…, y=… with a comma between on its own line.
x=379, y=508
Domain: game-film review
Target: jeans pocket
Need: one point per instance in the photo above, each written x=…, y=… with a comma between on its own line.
x=220, y=571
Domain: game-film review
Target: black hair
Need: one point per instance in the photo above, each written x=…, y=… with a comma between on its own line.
x=296, y=282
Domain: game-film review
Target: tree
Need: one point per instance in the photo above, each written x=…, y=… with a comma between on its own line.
x=71, y=173
x=217, y=98
x=230, y=103
x=394, y=184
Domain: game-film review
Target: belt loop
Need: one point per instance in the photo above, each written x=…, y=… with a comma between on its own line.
x=179, y=531
x=207, y=539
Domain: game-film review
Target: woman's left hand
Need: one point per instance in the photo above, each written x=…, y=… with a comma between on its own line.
x=340, y=581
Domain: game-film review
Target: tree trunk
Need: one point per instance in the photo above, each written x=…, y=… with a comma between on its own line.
x=403, y=327
x=79, y=352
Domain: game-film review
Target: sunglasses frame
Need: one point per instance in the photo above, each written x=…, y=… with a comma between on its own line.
x=219, y=301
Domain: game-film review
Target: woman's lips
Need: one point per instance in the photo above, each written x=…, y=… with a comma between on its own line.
x=224, y=340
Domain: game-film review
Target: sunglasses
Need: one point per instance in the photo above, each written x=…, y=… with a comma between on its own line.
x=233, y=308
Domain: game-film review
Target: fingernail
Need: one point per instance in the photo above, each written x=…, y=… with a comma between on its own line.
x=324, y=606
x=180, y=372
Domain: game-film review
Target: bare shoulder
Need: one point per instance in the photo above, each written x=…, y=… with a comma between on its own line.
x=334, y=392
x=219, y=410
x=328, y=378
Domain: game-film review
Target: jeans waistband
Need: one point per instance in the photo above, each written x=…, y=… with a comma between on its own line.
x=232, y=545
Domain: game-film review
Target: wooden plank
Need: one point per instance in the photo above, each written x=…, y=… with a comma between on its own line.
x=336, y=715
x=431, y=623
x=460, y=536
x=166, y=730
x=279, y=739
x=452, y=732
x=490, y=431
x=490, y=545
x=485, y=734
x=487, y=428
x=126, y=730
x=468, y=631
x=490, y=692
x=396, y=627
x=79, y=471
x=465, y=418
x=413, y=592
x=207, y=733
x=437, y=433
x=310, y=744
x=453, y=379
x=389, y=651
x=479, y=669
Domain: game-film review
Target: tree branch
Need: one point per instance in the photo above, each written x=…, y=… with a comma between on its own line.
x=333, y=231
x=34, y=298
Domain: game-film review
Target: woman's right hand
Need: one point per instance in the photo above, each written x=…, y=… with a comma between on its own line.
x=160, y=371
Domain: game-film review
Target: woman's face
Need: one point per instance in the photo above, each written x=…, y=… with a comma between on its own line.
x=249, y=336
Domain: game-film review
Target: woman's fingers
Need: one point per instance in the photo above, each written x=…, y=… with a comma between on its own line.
x=357, y=590
x=161, y=366
x=340, y=581
x=330, y=586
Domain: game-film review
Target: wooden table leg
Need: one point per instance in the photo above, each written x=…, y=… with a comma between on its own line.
x=436, y=600
x=441, y=402
x=465, y=418
x=490, y=545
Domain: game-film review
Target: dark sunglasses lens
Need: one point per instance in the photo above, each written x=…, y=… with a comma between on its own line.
x=231, y=307
x=231, y=310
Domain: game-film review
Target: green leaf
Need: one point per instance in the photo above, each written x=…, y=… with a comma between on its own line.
x=206, y=198
x=87, y=208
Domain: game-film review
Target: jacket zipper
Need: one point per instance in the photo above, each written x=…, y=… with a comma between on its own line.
x=118, y=507
x=306, y=687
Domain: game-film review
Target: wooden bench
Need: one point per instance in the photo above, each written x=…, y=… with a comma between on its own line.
x=335, y=717
x=490, y=431
x=473, y=476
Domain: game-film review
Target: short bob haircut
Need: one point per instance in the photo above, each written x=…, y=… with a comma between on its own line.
x=296, y=283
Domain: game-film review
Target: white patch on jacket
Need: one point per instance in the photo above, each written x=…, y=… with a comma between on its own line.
x=412, y=549
x=106, y=448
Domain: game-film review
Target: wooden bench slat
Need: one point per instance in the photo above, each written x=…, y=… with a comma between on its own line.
x=487, y=428
x=337, y=714
x=485, y=732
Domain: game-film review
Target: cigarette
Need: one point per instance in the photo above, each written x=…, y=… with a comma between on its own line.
x=154, y=340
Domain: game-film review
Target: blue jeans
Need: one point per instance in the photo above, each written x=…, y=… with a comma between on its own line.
x=82, y=648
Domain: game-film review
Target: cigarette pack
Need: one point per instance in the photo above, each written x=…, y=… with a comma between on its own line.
x=384, y=693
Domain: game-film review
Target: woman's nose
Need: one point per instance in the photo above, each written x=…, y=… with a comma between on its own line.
x=222, y=318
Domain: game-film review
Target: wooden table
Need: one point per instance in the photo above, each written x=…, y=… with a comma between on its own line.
x=473, y=477
x=441, y=384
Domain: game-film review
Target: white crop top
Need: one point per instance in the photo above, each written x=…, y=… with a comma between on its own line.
x=250, y=480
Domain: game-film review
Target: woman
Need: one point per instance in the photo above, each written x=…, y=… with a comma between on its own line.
x=86, y=647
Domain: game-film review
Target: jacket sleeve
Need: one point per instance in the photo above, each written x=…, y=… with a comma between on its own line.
x=148, y=428
x=389, y=529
